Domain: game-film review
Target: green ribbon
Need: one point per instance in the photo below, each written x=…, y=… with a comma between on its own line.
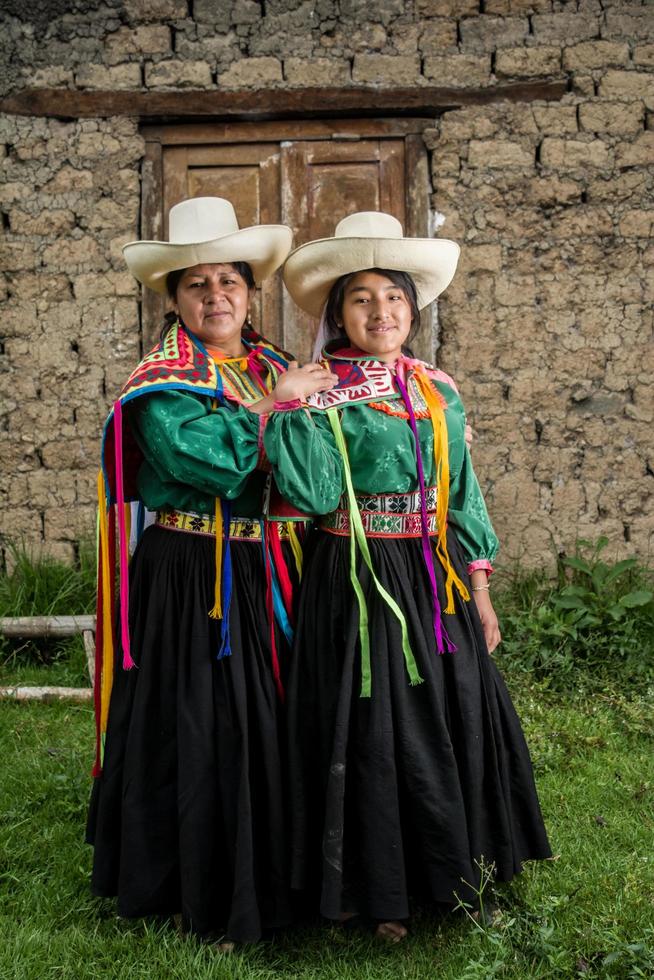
x=358, y=536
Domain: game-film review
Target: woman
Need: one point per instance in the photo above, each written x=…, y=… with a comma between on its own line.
x=407, y=762
x=187, y=816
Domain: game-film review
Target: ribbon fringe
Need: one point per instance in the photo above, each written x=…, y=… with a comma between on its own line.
x=358, y=536
x=442, y=464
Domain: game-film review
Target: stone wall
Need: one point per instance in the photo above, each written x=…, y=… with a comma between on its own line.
x=69, y=315
x=547, y=327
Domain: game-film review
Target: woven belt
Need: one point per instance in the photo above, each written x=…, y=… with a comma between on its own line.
x=240, y=528
x=394, y=515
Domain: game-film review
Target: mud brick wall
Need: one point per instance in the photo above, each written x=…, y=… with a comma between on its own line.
x=547, y=327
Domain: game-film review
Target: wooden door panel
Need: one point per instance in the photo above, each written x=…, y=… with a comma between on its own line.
x=325, y=181
x=247, y=175
x=272, y=175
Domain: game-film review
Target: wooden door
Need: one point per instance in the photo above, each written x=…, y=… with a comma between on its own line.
x=323, y=182
x=303, y=174
x=247, y=174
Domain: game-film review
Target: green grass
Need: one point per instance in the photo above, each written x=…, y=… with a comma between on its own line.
x=594, y=762
x=35, y=585
x=586, y=707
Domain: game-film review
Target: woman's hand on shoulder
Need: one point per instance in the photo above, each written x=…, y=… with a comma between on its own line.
x=300, y=382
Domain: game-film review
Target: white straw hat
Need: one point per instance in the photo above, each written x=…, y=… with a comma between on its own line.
x=368, y=240
x=202, y=230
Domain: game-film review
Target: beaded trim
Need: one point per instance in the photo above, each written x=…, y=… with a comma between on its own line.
x=240, y=528
x=377, y=525
x=385, y=515
x=392, y=503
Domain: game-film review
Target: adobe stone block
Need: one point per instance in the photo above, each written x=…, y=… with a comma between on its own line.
x=55, y=76
x=385, y=69
x=178, y=74
x=486, y=33
x=496, y=154
x=90, y=286
x=362, y=11
x=125, y=76
x=582, y=222
x=505, y=8
x=611, y=117
x=44, y=223
x=447, y=8
x=633, y=185
x=638, y=153
x=215, y=13
x=311, y=72
x=437, y=35
x=149, y=39
x=638, y=224
x=245, y=12
x=459, y=70
x=566, y=27
x=154, y=10
x=217, y=49
x=446, y=160
x=528, y=62
x=630, y=22
x=16, y=256
x=644, y=55
x=628, y=85
x=583, y=85
x=251, y=73
x=554, y=119
x=82, y=254
x=595, y=54
x=562, y=154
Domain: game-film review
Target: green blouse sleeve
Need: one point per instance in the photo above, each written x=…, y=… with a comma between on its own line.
x=306, y=463
x=467, y=512
x=186, y=442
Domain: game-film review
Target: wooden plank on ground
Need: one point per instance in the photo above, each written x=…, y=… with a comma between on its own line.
x=46, y=625
x=19, y=693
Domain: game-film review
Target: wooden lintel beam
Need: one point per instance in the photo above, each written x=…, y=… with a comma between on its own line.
x=267, y=103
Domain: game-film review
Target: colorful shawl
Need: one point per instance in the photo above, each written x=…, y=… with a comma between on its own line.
x=179, y=362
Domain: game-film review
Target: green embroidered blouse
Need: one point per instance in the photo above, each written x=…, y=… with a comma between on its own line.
x=308, y=468
x=194, y=453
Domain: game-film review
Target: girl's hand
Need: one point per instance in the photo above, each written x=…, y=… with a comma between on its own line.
x=488, y=618
x=468, y=435
x=300, y=382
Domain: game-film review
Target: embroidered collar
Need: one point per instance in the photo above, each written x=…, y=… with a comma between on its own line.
x=181, y=363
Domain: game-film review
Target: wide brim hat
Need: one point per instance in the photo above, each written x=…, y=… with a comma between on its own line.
x=368, y=240
x=203, y=230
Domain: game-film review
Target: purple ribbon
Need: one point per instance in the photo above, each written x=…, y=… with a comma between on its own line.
x=442, y=639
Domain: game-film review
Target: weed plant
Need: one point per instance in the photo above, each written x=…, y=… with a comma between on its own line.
x=38, y=585
x=595, y=618
x=587, y=913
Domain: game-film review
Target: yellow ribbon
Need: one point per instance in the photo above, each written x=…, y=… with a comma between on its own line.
x=217, y=611
x=106, y=682
x=442, y=463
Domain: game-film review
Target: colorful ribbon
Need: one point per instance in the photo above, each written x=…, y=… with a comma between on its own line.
x=357, y=536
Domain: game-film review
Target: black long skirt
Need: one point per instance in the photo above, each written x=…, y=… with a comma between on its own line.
x=404, y=793
x=188, y=814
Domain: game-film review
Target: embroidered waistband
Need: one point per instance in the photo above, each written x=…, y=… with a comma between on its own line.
x=394, y=515
x=240, y=528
